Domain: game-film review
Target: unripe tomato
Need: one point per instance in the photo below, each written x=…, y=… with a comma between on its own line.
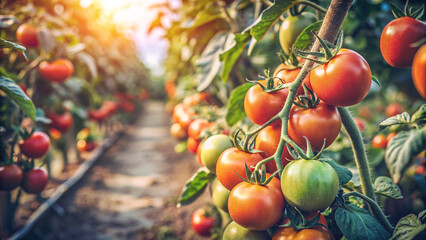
x=292, y=26
x=236, y=232
x=34, y=181
x=344, y=81
x=309, y=185
x=10, y=177
x=177, y=132
x=62, y=122
x=220, y=195
x=380, y=141
x=57, y=71
x=419, y=71
x=35, y=146
x=192, y=144
x=27, y=36
x=397, y=39
x=288, y=76
x=212, y=148
x=202, y=224
x=394, y=109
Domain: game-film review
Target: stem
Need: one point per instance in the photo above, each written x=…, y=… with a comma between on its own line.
x=228, y=18
x=259, y=164
x=313, y=5
x=373, y=204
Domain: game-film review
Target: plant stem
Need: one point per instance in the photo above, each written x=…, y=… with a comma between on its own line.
x=259, y=164
x=232, y=23
x=373, y=204
x=313, y=5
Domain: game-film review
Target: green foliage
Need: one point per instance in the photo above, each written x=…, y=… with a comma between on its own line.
x=15, y=93
x=409, y=227
x=195, y=186
x=235, y=111
x=384, y=186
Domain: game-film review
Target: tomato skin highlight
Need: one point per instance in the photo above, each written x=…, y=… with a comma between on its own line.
x=213, y=147
x=201, y=224
x=10, y=177
x=27, y=36
x=236, y=232
x=419, y=71
x=380, y=141
x=35, y=146
x=344, y=81
x=34, y=181
x=57, y=71
x=397, y=38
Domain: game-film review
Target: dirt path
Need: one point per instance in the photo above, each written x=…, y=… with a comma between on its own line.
x=132, y=190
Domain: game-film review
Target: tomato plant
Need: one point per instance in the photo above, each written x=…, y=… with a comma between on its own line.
x=419, y=72
x=202, y=224
x=57, y=71
x=10, y=177
x=34, y=181
x=35, y=146
x=27, y=35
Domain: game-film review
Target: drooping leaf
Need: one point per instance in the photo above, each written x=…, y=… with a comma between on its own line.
x=234, y=47
x=408, y=228
x=235, y=111
x=195, y=186
x=15, y=93
x=402, y=148
x=343, y=173
x=402, y=118
x=304, y=40
x=385, y=186
x=8, y=44
x=7, y=21
x=420, y=115
x=374, y=79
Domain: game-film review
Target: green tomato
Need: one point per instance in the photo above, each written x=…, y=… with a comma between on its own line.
x=309, y=185
x=220, y=195
x=235, y=232
x=212, y=148
x=292, y=26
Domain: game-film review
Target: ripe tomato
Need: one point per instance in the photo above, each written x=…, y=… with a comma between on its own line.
x=267, y=140
x=309, y=185
x=344, y=81
x=397, y=39
x=360, y=123
x=57, y=71
x=199, y=149
x=231, y=162
x=27, y=36
x=202, y=224
x=127, y=106
x=197, y=127
x=193, y=144
x=34, y=181
x=236, y=232
x=322, y=121
x=35, y=146
x=212, y=148
x=84, y=146
x=98, y=115
x=394, y=109
x=292, y=26
x=61, y=122
x=261, y=106
x=419, y=71
x=256, y=207
x=183, y=115
x=177, y=132
x=220, y=195
x=10, y=177
x=380, y=141
x=288, y=76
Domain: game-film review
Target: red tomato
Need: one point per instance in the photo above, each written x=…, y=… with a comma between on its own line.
x=127, y=106
x=192, y=144
x=35, y=146
x=57, y=71
x=360, y=123
x=55, y=134
x=419, y=71
x=84, y=146
x=98, y=115
x=397, y=39
x=394, y=109
x=288, y=76
x=322, y=121
x=183, y=115
x=61, y=122
x=256, y=207
x=110, y=106
x=231, y=162
x=197, y=126
x=34, y=181
x=27, y=36
x=380, y=141
x=267, y=140
x=202, y=224
x=344, y=81
x=10, y=177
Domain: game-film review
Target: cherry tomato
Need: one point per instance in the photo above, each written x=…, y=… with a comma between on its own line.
x=35, y=146
x=220, y=195
x=236, y=232
x=397, y=39
x=344, y=81
x=419, y=71
x=394, y=109
x=193, y=144
x=309, y=185
x=62, y=122
x=183, y=115
x=57, y=71
x=380, y=141
x=34, y=181
x=202, y=224
x=213, y=147
x=291, y=27
x=10, y=177
x=84, y=146
x=98, y=115
x=177, y=132
x=287, y=76
x=197, y=127
x=232, y=162
x=360, y=123
x=27, y=36
x=318, y=123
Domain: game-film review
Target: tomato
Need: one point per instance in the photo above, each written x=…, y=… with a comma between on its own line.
x=256, y=207
x=84, y=146
x=394, y=109
x=202, y=224
x=322, y=121
x=193, y=100
x=365, y=112
x=57, y=71
x=390, y=136
x=360, y=123
x=177, y=132
x=34, y=181
x=98, y=115
x=35, y=146
x=288, y=76
x=344, y=81
x=397, y=39
x=261, y=106
x=27, y=36
x=380, y=141
x=10, y=177
x=232, y=162
x=199, y=149
x=291, y=27
x=220, y=195
x=267, y=140
x=309, y=185
x=110, y=106
x=212, y=148
x=127, y=106
x=197, y=127
x=419, y=71
x=236, y=232
x=61, y=122
x=193, y=144
x=55, y=134
x=183, y=115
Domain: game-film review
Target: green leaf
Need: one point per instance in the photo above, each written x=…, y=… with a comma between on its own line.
x=235, y=111
x=375, y=156
x=234, y=47
x=402, y=118
x=344, y=174
x=8, y=44
x=41, y=117
x=408, y=228
x=402, y=148
x=195, y=186
x=355, y=223
x=304, y=40
x=420, y=115
x=15, y=93
x=6, y=21
x=376, y=81
x=397, y=12
x=385, y=186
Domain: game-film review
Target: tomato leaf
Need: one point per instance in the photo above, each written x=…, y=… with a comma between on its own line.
x=376, y=81
x=402, y=118
x=235, y=111
x=356, y=223
x=343, y=173
x=304, y=40
x=402, y=148
x=8, y=44
x=397, y=12
x=41, y=117
x=195, y=186
x=409, y=227
x=234, y=47
x=7, y=21
x=384, y=186
x=15, y=93
x=420, y=115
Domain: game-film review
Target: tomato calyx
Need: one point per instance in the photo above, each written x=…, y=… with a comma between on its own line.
x=257, y=177
x=308, y=155
x=271, y=84
x=298, y=221
x=244, y=144
x=24, y=133
x=308, y=100
x=408, y=11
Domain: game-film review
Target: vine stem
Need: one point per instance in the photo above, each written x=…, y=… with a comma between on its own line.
x=313, y=5
x=373, y=204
